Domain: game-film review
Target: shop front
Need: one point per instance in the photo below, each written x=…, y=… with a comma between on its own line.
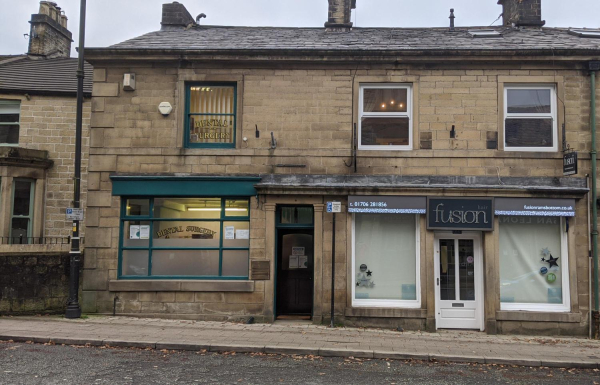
x=468, y=262
x=231, y=248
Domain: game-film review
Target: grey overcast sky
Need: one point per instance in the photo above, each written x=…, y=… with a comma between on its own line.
x=112, y=21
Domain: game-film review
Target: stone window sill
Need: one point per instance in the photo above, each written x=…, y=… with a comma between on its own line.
x=181, y=285
x=535, y=316
x=385, y=313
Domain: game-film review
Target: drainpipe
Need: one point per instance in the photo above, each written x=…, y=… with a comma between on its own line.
x=594, y=66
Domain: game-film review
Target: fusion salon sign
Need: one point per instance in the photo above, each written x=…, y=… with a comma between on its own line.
x=460, y=214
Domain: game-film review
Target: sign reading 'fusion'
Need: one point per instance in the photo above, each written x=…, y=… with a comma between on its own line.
x=460, y=214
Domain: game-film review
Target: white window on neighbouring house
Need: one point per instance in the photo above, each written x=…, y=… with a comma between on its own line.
x=9, y=121
x=385, y=117
x=534, y=266
x=530, y=122
x=385, y=261
x=22, y=211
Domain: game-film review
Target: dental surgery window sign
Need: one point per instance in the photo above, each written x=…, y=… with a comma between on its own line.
x=460, y=214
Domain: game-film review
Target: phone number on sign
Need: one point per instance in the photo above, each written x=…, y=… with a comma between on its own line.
x=368, y=204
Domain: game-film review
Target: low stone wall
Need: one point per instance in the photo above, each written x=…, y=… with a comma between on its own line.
x=34, y=282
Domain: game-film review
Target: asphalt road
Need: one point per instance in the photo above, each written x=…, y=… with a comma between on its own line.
x=22, y=363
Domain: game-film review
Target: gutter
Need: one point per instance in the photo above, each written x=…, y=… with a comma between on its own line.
x=594, y=66
x=93, y=54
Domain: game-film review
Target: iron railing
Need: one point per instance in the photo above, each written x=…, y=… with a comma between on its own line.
x=21, y=240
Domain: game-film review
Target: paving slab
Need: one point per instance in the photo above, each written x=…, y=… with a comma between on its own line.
x=305, y=339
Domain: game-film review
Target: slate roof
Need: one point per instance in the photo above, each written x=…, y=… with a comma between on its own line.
x=44, y=77
x=365, y=40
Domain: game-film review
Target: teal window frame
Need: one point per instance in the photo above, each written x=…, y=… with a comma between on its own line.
x=294, y=225
x=151, y=219
x=11, y=103
x=186, y=136
x=31, y=209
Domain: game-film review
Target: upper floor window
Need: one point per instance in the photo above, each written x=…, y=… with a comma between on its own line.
x=9, y=121
x=210, y=115
x=385, y=117
x=530, y=122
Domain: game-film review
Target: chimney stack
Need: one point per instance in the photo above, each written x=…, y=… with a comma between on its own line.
x=175, y=15
x=522, y=12
x=340, y=13
x=49, y=36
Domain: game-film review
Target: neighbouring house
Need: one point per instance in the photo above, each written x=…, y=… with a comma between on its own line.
x=37, y=147
x=217, y=153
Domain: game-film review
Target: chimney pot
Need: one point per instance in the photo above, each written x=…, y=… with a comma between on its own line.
x=452, y=17
x=49, y=36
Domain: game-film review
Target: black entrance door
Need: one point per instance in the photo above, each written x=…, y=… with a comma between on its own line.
x=295, y=266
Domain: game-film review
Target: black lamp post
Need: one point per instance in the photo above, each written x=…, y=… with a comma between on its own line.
x=73, y=308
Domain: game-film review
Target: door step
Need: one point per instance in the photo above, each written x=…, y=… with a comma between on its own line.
x=293, y=318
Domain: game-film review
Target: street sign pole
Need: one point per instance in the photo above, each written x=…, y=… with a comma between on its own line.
x=73, y=308
x=333, y=272
x=333, y=207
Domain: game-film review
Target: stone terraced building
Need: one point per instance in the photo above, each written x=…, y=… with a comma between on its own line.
x=37, y=152
x=216, y=152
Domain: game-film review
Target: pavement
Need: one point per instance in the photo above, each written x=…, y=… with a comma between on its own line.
x=305, y=339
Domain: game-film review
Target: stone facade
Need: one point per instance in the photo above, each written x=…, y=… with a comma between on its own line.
x=310, y=108
x=47, y=123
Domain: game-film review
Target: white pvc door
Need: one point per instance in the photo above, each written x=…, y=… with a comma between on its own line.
x=459, y=269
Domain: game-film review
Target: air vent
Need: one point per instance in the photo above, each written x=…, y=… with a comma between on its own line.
x=484, y=33
x=593, y=33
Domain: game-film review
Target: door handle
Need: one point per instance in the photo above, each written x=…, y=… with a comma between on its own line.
x=438, y=281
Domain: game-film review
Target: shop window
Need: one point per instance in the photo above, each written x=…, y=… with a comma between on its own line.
x=210, y=115
x=530, y=118
x=533, y=264
x=9, y=121
x=185, y=238
x=386, y=261
x=385, y=117
x=22, y=211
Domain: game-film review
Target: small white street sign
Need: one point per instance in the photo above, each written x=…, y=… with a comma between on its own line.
x=334, y=207
x=74, y=214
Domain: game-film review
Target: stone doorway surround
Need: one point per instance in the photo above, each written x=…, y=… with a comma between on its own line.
x=270, y=252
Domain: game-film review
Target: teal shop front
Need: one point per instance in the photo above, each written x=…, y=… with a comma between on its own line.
x=192, y=228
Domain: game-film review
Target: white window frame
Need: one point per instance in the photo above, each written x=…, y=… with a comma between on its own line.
x=565, y=306
x=407, y=114
x=389, y=303
x=17, y=106
x=552, y=115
